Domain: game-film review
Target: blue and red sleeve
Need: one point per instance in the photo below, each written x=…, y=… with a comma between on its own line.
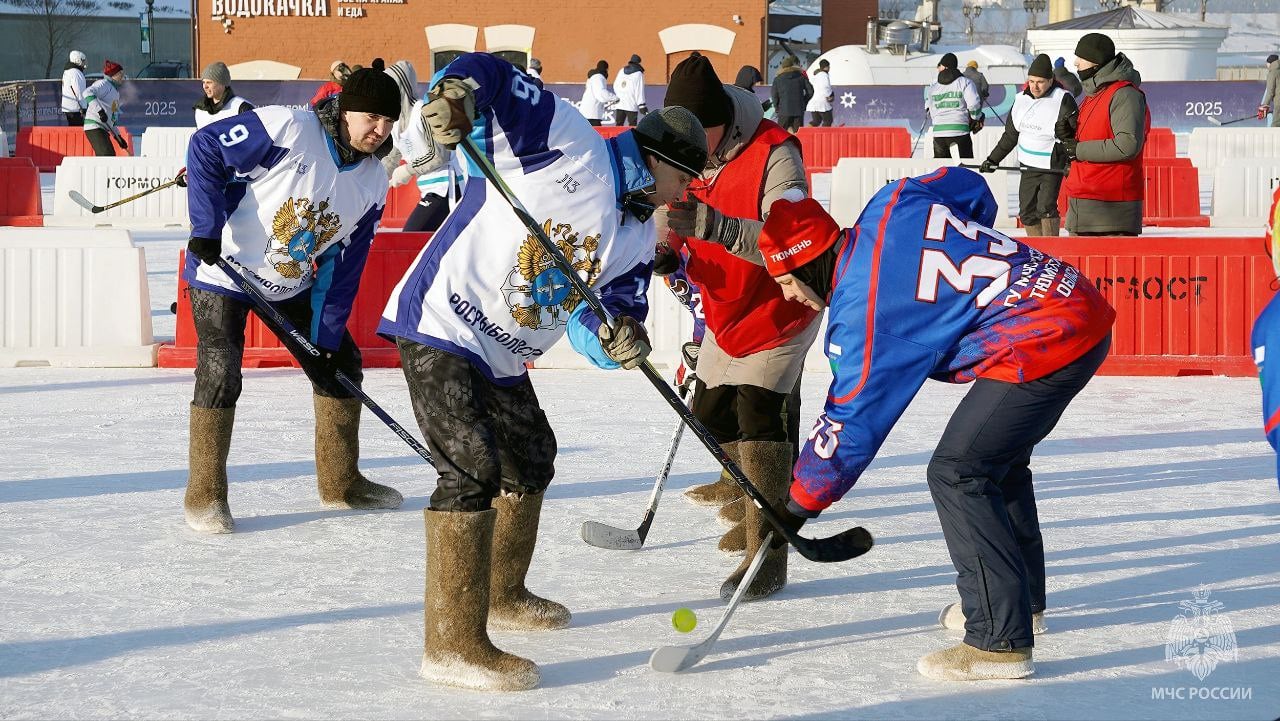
x=1266, y=354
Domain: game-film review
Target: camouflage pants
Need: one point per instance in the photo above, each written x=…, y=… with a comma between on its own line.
x=220, y=320
x=485, y=437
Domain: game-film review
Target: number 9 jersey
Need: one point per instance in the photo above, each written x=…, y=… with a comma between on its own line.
x=924, y=288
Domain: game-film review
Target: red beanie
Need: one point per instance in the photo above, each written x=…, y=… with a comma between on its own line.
x=111, y=67
x=795, y=234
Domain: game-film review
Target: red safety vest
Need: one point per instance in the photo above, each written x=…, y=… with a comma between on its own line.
x=743, y=305
x=1121, y=181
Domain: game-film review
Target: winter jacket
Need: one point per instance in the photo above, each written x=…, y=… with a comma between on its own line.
x=951, y=102
x=1273, y=85
x=102, y=105
x=208, y=111
x=1038, y=148
x=629, y=87
x=73, y=89
x=791, y=92
x=1129, y=118
x=979, y=81
x=822, y=93
x=596, y=96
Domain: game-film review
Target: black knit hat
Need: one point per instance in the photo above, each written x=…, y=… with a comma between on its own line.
x=1096, y=48
x=370, y=91
x=1272, y=58
x=949, y=61
x=675, y=136
x=634, y=59
x=1041, y=67
x=695, y=86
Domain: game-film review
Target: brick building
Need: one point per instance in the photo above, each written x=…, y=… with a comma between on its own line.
x=568, y=37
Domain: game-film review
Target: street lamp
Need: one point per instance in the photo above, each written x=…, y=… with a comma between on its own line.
x=971, y=13
x=1032, y=7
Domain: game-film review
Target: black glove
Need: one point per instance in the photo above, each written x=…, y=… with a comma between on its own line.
x=987, y=166
x=1069, y=144
x=665, y=260
x=644, y=110
x=181, y=178
x=790, y=521
x=102, y=115
x=977, y=124
x=206, y=249
x=119, y=140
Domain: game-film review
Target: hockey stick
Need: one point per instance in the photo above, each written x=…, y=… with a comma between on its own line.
x=928, y=120
x=995, y=112
x=673, y=659
x=85, y=203
x=840, y=547
x=603, y=535
x=1215, y=121
x=284, y=327
x=1018, y=169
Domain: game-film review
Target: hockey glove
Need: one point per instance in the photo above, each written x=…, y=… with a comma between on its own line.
x=1262, y=112
x=626, y=343
x=987, y=166
x=181, y=178
x=450, y=111
x=665, y=260
x=790, y=521
x=1069, y=144
x=119, y=140
x=694, y=219
x=102, y=115
x=206, y=249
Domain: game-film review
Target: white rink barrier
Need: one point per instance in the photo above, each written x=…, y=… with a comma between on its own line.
x=106, y=180
x=1242, y=192
x=855, y=180
x=983, y=143
x=4, y=144
x=670, y=326
x=166, y=142
x=74, y=298
x=1212, y=148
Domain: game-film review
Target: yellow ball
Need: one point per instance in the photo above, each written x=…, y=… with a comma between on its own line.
x=684, y=620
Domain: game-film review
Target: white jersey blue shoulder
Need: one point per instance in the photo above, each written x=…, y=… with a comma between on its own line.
x=291, y=216
x=482, y=287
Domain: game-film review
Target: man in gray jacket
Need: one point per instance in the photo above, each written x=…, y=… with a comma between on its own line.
x=1106, y=185
x=1273, y=89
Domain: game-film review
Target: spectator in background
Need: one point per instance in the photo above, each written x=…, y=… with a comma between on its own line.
x=1066, y=78
x=102, y=110
x=1105, y=187
x=748, y=78
x=953, y=104
x=1272, y=92
x=1040, y=116
x=629, y=87
x=378, y=64
x=73, y=86
x=820, y=104
x=219, y=100
x=596, y=96
x=338, y=74
x=535, y=68
x=978, y=79
x=791, y=93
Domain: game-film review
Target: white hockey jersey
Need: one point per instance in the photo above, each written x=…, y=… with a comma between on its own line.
x=483, y=288
x=291, y=216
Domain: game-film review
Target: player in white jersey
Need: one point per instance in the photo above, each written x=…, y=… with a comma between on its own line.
x=291, y=199
x=482, y=300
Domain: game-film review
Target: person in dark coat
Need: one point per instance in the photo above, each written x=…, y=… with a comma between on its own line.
x=791, y=93
x=748, y=78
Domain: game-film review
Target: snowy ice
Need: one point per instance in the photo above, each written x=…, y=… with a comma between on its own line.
x=110, y=607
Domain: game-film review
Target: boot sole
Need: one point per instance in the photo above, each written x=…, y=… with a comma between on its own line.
x=460, y=674
x=210, y=520
x=980, y=671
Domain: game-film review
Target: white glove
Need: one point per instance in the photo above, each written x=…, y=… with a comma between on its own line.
x=400, y=176
x=450, y=111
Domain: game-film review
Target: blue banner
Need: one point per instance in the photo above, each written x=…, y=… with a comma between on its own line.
x=1180, y=106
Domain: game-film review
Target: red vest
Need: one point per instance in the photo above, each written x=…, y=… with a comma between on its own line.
x=743, y=305
x=1120, y=181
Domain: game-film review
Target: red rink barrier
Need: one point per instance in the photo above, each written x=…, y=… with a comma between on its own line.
x=20, y=203
x=400, y=203
x=47, y=145
x=1184, y=306
x=1160, y=143
x=390, y=257
x=1171, y=194
x=824, y=147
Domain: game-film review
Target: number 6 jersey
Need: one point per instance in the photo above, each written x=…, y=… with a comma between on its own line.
x=924, y=288
x=291, y=216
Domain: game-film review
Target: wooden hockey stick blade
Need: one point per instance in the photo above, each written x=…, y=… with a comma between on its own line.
x=83, y=202
x=605, y=536
x=674, y=659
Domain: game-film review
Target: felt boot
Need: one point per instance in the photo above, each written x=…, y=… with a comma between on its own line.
x=206, y=501
x=511, y=605
x=337, y=457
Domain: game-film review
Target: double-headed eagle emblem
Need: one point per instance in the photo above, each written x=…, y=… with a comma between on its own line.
x=539, y=295
x=301, y=230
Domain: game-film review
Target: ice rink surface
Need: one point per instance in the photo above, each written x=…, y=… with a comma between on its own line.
x=1150, y=489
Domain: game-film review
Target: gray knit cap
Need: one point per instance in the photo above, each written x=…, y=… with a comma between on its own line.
x=217, y=72
x=674, y=135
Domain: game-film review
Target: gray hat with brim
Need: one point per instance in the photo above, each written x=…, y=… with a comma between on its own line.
x=674, y=136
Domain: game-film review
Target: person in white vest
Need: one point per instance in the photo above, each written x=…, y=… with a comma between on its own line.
x=219, y=100
x=629, y=87
x=73, y=86
x=1038, y=120
x=820, y=104
x=596, y=96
